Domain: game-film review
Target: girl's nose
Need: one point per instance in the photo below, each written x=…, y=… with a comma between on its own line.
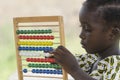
x=82, y=35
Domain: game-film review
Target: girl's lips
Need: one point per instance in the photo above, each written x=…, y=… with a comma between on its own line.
x=83, y=45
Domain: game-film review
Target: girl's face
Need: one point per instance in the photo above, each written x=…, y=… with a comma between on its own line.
x=93, y=38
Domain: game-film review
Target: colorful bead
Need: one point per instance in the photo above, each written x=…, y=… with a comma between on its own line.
x=25, y=70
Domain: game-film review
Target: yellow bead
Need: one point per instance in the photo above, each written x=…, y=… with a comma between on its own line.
x=19, y=42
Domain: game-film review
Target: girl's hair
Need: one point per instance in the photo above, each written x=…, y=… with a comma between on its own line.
x=108, y=10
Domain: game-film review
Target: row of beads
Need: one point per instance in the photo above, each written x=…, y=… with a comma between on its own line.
x=40, y=60
x=34, y=31
x=37, y=37
x=44, y=66
x=45, y=49
x=30, y=54
x=40, y=43
x=44, y=71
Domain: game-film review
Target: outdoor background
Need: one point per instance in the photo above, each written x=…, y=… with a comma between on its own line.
x=69, y=9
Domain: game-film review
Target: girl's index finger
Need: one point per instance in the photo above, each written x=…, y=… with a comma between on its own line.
x=63, y=48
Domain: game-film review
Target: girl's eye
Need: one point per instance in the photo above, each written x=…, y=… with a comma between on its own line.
x=86, y=28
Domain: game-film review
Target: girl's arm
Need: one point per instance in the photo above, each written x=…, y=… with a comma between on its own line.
x=70, y=64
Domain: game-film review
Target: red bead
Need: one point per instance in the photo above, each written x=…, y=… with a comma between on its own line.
x=37, y=37
x=30, y=37
x=51, y=37
x=34, y=60
x=27, y=37
x=40, y=37
x=28, y=59
x=20, y=37
x=31, y=60
x=42, y=60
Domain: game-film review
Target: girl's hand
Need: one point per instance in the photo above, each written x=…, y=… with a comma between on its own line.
x=65, y=59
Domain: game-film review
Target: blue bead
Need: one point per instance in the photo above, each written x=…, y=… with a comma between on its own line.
x=44, y=71
x=36, y=48
x=33, y=71
x=51, y=71
x=26, y=48
x=54, y=71
x=59, y=71
x=33, y=48
x=40, y=48
x=40, y=71
x=25, y=70
x=19, y=48
x=50, y=49
x=43, y=48
x=30, y=48
x=37, y=70
x=48, y=71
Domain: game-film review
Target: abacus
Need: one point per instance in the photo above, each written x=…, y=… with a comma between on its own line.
x=34, y=38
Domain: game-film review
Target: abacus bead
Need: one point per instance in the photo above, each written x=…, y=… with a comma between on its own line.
x=51, y=71
x=37, y=70
x=34, y=60
x=40, y=71
x=33, y=70
x=28, y=59
x=47, y=71
x=37, y=65
x=42, y=31
x=46, y=31
x=22, y=32
x=44, y=71
x=39, y=31
x=26, y=48
x=17, y=31
x=52, y=37
x=31, y=31
x=54, y=71
x=25, y=70
x=49, y=31
x=30, y=65
x=19, y=48
x=36, y=48
x=25, y=31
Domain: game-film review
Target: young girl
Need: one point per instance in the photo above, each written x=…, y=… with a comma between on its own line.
x=100, y=22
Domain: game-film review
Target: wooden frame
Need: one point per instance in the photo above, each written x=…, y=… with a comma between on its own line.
x=18, y=20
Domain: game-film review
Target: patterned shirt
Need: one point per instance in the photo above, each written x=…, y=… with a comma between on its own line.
x=107, y=69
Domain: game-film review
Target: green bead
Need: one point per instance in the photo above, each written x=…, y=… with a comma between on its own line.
x=36, y=65
x=49, y=31
x=42, y=31
x=17, y=31
x=33, y=65
x=31, y=31
x=46, y=31
x=39, y=65
x=29, y=65
x=39, y=31
x=59, y=66
x=25, y=31
x=46, y=65
x=43, y=65
x=35, y=31
x=28, y=31
x=22, y=32
x=51, y=66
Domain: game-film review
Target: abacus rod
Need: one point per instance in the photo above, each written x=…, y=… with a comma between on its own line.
x=42, y=76
x=38, y=25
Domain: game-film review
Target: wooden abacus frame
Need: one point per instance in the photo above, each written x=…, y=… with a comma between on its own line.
x=18, y=20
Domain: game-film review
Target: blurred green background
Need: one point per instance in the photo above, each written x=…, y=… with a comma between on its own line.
x=69, y=9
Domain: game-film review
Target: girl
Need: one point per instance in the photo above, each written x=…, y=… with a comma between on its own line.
x=100, y=22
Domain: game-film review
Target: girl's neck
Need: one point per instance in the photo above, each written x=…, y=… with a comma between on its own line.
x=112, y=50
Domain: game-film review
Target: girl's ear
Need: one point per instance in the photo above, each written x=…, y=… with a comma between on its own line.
x=116, y=32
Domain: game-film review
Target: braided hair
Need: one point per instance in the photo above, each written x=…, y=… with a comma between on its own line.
x=108, y=10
